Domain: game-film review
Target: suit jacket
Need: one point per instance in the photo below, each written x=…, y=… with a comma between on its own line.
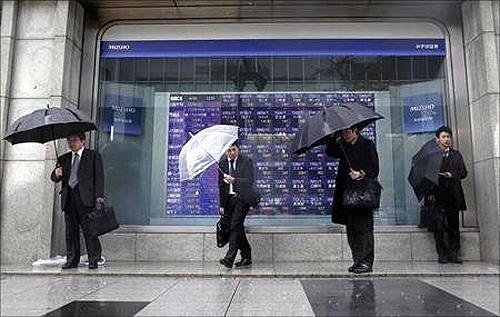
x=243, y=181
x=363, y=156
x=90, y=177
x=449, y=192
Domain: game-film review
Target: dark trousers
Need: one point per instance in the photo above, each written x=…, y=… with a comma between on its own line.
x=75, y=216
x=360, y=235
x=237, y=238
x=451, y=228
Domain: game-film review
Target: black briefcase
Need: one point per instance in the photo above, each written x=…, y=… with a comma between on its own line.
x=431, y=217
x=102, y=220
x=222, y=229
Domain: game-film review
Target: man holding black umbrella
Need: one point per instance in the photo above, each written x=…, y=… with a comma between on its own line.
x=358, y=161
x=358, y=158
x=82, y=176
x=449, y=195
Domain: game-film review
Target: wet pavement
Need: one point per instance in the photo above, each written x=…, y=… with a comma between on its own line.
x=119, y=290
x=386, y=297
x=264, y=269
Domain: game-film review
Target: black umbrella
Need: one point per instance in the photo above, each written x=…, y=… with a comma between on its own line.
x=425, y=166
x=48, y=124
x=317, y=129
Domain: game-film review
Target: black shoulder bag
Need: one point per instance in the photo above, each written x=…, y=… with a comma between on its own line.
x=361, y=194
x=431, y=217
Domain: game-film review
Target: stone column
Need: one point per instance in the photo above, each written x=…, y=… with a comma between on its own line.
x=7, y=40
x=482, y=49
x=43, y=61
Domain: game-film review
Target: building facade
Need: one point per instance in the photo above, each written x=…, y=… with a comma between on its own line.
x=151, y=72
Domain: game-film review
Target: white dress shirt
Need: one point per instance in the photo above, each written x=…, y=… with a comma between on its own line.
x=79, y=152
x=231, y=190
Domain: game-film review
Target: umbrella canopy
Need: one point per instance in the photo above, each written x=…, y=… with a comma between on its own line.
x=48, y=124
x=320, y=126
x=205, y=148
x=425, y=166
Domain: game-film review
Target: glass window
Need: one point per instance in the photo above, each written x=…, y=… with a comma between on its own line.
x=126, y=70
x=149, y=105
x=157, y=69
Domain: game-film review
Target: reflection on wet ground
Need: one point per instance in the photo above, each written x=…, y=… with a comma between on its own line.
x=385, y=297
x=127, y=295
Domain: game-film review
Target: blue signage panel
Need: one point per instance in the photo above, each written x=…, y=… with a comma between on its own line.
x=289, y=184
x=423, y=113
x=122, y=114
x=273, y=47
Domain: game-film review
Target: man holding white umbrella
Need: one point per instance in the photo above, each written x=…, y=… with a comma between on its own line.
x=218, y=144
x=236, y=196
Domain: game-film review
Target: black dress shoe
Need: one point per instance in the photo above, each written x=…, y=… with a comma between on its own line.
x=69, y=266
x=455, y=259
x=227, y=263
x=362, y=268
x=443, y=259
x=243, y=262
x=93, y=265
x=352, y=267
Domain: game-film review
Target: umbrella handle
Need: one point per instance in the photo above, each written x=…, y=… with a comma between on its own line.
x=57, y=154
x=54, y=143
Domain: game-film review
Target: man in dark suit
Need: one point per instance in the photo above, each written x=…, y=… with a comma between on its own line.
x=236, y=196
x=449, y=195
x=363, y=158
x=82, y=176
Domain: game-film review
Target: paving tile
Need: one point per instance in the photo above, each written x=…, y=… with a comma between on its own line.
x=184, y=309
x=98, y=309
x=208, y=290
x=55, y=293
x=137, y=289
x=481, y=291
x=384, y=297
x=266, y=297
x=193, y=297
x=275, y=309
x=12, y=285
x=21, y=311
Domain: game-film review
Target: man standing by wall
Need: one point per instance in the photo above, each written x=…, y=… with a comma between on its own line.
x=449, y=195
x=236, y=197
x=82, y=175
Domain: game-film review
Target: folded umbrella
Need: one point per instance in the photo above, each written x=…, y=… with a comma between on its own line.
x=204, y=149
x=318, y=128
x=425, y=166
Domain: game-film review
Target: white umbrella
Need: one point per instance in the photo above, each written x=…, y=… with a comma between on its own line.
x=204, y=149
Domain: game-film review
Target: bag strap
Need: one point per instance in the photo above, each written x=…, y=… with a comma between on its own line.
x=339, y=141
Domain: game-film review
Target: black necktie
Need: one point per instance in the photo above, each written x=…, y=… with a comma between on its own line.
x=231, y=169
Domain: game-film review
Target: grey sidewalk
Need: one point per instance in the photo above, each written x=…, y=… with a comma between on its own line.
x=266, y=289
x=23, y=295
x=265, y=269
